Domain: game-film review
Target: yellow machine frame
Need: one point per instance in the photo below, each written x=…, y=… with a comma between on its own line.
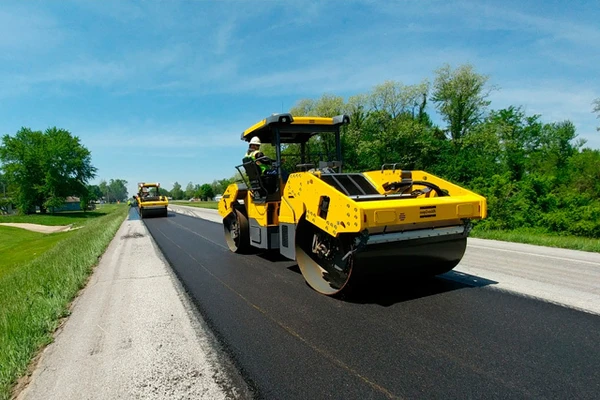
x=387, y=208
x=155, y=205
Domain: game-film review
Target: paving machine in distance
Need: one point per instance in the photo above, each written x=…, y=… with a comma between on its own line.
x=343, y=226
x=150, y=202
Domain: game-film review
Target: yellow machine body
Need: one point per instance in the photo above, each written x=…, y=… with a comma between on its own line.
x=339, y=225
x=303, y=193
x=151, y=204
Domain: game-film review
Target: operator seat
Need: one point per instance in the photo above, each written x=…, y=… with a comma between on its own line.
x=261, y=185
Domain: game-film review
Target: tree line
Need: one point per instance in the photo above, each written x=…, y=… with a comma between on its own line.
x=204, y=192
x=40, y=169
x=112, y=191
x=535, y=175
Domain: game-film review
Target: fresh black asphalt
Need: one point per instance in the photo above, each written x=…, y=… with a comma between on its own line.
x=440, y=339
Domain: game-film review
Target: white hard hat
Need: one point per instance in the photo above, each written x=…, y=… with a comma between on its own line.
x=255, y=140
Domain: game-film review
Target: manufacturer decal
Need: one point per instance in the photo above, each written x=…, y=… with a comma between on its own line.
x=427, y=212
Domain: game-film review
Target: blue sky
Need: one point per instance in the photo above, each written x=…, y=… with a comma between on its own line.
x=160, y=90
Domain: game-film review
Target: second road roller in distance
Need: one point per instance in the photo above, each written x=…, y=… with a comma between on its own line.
x=340, y=226
x=150, y=202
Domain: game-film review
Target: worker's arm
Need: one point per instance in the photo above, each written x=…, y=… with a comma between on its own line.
x=265, y=160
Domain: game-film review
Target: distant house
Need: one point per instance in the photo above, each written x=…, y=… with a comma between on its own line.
x=71, y=204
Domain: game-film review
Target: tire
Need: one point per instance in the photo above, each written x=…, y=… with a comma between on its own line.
x=329, y=276
x=237, y=232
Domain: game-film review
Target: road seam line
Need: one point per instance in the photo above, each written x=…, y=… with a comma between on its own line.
x=535, y=254
x=288, y=329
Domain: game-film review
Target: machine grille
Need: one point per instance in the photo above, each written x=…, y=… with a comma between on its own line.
x=350, y=184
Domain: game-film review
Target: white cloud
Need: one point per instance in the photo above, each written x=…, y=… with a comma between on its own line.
x=223, y=36
x=215, y=50
x=163, y=70
x=184, y=137
x=502, y=17
x=157, y=141
x=554, y=101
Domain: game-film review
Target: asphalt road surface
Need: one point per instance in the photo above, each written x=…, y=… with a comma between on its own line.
x=455, y=336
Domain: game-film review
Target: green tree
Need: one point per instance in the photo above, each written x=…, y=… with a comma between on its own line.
x=113, y=191
x=103, y=186
x=190, y=190
x=585, y=172
x=558, y=144
x=118, y=189
x=478, y=155
x=3, y=185
x=197, y=193
x=303, y=108
x=164, y=192
x=357, y=109
x=92, y=194
x=95, y=192
x=22, y=156
x=519, y=137
x=220, y=185
x=206, y=192
x=326, y=106
x=396, y=99
x=533, y=174
x=176, y=192
x=5, y=195
x=45, y=167
x=460, y=97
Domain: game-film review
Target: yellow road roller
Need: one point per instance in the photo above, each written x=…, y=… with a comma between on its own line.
x=150, y=202
x=340, y=226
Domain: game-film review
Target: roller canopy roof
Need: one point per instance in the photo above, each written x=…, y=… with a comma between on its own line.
x=293, y=129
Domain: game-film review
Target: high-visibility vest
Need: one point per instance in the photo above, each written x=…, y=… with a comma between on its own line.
x=252, y=155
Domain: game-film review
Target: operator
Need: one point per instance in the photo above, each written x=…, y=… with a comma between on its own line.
x=254, y=153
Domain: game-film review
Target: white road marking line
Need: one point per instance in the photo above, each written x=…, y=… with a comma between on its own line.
x=535, y=254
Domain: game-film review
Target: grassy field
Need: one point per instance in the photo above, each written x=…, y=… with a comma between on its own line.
x=77, y=218
x=199, y=204
x=36, y=289
x=539, y=238
x=19, y=246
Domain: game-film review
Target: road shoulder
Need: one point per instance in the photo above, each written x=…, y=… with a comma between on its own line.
x=197, y=212
x=132, y=333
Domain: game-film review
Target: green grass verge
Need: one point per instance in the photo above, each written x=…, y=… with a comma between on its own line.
x=19, y=246
x=77, y=218
x=36, y=295
x=537, y=237
x=199, y=204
